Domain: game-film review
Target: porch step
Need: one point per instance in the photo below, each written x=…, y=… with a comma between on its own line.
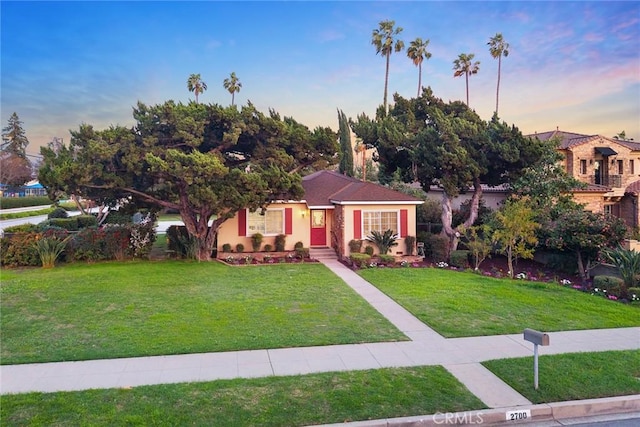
x=322, y=253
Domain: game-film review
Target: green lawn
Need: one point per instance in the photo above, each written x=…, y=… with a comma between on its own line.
x=572, y=376
x=276, y=401
x=459, y=304
x=110, y=310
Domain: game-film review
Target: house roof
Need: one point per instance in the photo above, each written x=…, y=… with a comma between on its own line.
x=327, y=188
x=572, y=139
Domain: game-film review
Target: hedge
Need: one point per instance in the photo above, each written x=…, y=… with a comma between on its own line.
x=23, y=202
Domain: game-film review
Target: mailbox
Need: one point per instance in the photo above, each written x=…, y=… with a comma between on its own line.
x=536, y=337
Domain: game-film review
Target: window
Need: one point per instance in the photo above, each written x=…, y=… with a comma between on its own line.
x=380, y=221
x=583, y=167
x=620, y=167
x=271, y=223
x=632, y=168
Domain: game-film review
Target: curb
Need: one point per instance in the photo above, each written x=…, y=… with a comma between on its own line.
x=545, y=412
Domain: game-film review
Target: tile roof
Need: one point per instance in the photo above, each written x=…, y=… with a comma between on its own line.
x=571, y=139
x=326, y=188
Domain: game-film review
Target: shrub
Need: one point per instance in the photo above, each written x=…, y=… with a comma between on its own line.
x=459, y=259
x=410, y=244
x=226, y=247
x=387, y=259
x=142, y=235
x=436, y=247
x=117, y=217
x=239, y=248
x=268, y=248
x=58, y=213
x=85, y=221
x=355, y=246
x=368, y=250
x=302, y=253
x=18, y=250
x=178, y=240
x=298, y=245
x=384, y=241
x=23, y=202
x=87, y=245
x=256, y=242
x=70, y=224
x=360, y=260
x=21, y=228
x=280, y=242
x=612, y=285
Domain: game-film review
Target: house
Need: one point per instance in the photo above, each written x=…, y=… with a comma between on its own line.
x=335, y=210
x=610, y=167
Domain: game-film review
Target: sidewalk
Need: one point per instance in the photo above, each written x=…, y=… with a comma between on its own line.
x=460, y=356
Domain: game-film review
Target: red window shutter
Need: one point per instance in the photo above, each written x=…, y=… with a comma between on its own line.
x=404, y=214
x=288, y=221
x=357, y=225
x=242, y=222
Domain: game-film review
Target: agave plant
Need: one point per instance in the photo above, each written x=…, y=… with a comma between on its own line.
x=49, y=249
x=384, y=241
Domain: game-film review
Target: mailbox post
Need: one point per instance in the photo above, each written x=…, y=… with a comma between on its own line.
x=537, y=338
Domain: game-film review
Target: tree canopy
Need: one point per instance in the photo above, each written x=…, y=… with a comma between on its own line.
x=446, y=144
x=205, y=161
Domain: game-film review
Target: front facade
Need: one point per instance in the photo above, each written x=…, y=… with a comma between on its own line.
x=610, y=168
x=336, y=209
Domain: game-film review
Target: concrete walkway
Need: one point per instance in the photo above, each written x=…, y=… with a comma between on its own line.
x=460, y=356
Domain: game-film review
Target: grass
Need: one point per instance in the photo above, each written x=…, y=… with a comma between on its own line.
x=459, y=304
x=126, y=309
x=276, y=401
x=573, y=376
x=16, y=215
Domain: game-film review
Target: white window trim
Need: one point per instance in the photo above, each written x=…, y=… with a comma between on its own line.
x=396, y=211
x=249, y=213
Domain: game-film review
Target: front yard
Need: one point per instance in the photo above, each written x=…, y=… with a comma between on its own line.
x=126, y=309
x=461, y=304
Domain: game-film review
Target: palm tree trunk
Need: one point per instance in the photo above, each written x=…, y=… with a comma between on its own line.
x=419, y=78
x=498, y=86
x=386, y=84
x=233, y=97
x=466, y=76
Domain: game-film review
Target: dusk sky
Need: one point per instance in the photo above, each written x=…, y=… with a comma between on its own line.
x=572, y=65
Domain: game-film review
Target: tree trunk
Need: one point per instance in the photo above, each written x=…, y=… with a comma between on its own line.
x=466, y=76
x=447, y=215
x=510, y=261
x=498, y=86
x=581, y=269
x=386, y=83
x=419, y=78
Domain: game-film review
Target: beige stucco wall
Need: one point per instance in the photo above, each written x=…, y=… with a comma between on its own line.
x=493, y=200
x=349, y=231
x=228, y=232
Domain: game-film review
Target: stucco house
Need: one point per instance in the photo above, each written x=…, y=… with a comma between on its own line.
x=335, y=209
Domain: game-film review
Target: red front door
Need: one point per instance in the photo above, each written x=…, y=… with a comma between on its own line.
x=318, y=228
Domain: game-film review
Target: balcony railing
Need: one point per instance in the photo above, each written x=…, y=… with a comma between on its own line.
x=613, y=181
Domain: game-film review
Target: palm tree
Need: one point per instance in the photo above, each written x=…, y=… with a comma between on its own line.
x=383, y=40
x=465, y=65
x=233, y=85
x=417, y=52
x=498, y=48
x=196, y=85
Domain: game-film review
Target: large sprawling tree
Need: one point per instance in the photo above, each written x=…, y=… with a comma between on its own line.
x=206, y=161
x=446, y=144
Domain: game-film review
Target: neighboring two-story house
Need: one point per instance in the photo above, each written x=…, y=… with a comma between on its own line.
x=610, y=167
